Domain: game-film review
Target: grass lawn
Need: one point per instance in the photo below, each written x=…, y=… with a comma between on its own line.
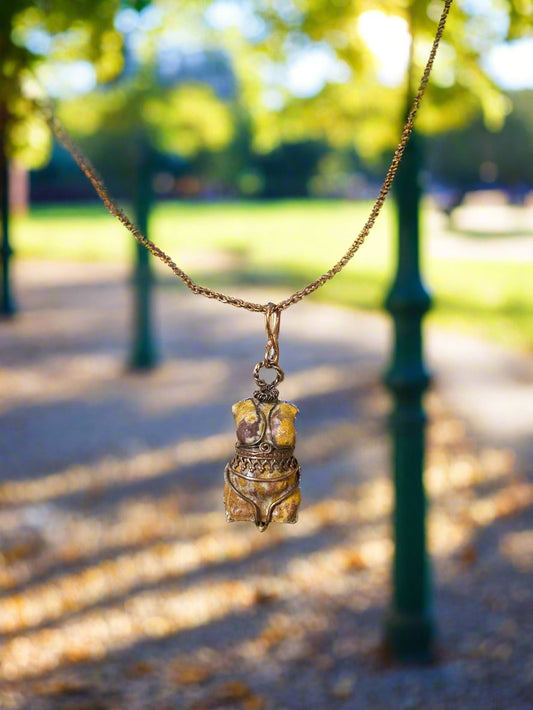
x=289, y=244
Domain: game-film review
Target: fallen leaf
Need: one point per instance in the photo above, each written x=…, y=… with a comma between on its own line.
x=263, y=596
x=25, y=544
x=254, y=702
x=468, y=555
x=343, y=687
x=354, y=560
x=189, y=673
x=61, y=687
x=140, y=669
x=226, y=694
x=233, y=690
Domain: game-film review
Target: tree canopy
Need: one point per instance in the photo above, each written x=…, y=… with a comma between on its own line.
x=352, y=105
x=43, y=36
x=271, y=45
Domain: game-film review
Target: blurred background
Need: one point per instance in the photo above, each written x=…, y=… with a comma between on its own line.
x=249, y=139
x=215, y=112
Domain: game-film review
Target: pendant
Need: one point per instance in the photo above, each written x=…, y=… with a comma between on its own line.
x=262, y=480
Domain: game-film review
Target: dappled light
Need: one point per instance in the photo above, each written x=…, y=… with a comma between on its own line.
x=165, y=610
x=518, y=547
x=116, y=472
x=132, y=596
x=179, y=180
x=122, y=560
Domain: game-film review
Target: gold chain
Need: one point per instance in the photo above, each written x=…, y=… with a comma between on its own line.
x=98, y=184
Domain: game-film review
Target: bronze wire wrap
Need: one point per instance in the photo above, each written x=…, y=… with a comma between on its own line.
x=262, y=522
x=87, y=168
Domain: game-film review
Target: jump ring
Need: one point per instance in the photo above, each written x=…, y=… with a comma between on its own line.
x=263, y=384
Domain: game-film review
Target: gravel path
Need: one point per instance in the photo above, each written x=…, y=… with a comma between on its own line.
x=123, y=587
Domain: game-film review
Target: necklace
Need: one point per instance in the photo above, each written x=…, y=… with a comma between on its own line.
x=262, y=480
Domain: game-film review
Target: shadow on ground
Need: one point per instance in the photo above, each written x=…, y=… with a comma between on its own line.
x=121, y=583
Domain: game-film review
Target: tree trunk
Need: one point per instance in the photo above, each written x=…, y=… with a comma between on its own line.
x=143, y=354
x=7, y=306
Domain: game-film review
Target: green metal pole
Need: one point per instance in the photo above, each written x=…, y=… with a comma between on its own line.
x=143, y=355
x=7, y=305
x=409, y=628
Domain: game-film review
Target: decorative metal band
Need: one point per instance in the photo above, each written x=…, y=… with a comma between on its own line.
x=262, y=479
x=261, y=466
x=262, y=522
x=264, y=450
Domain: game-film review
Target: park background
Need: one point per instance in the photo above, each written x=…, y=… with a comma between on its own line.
x=249, y=140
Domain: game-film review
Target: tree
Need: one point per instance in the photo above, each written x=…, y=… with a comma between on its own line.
x=39, y=39
x=36, y=37
x=350, y=104
x=140, y=117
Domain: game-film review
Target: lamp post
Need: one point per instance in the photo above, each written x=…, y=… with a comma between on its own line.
x=143, y=353
x=7, y=305
x=409, y=628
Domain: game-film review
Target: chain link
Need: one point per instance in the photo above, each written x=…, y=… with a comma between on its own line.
x=111, y=205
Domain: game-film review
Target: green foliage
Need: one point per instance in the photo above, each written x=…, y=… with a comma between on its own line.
x=50, y=32
x=179, y=119
x=356, y=110
x=138, y=119
x=188, y=118
x=360, y=111
x=520, y=18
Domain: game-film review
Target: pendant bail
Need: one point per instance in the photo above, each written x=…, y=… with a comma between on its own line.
x=272, y=323
x=267, y=391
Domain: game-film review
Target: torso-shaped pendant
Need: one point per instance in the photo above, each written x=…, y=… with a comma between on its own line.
x=262, y=479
